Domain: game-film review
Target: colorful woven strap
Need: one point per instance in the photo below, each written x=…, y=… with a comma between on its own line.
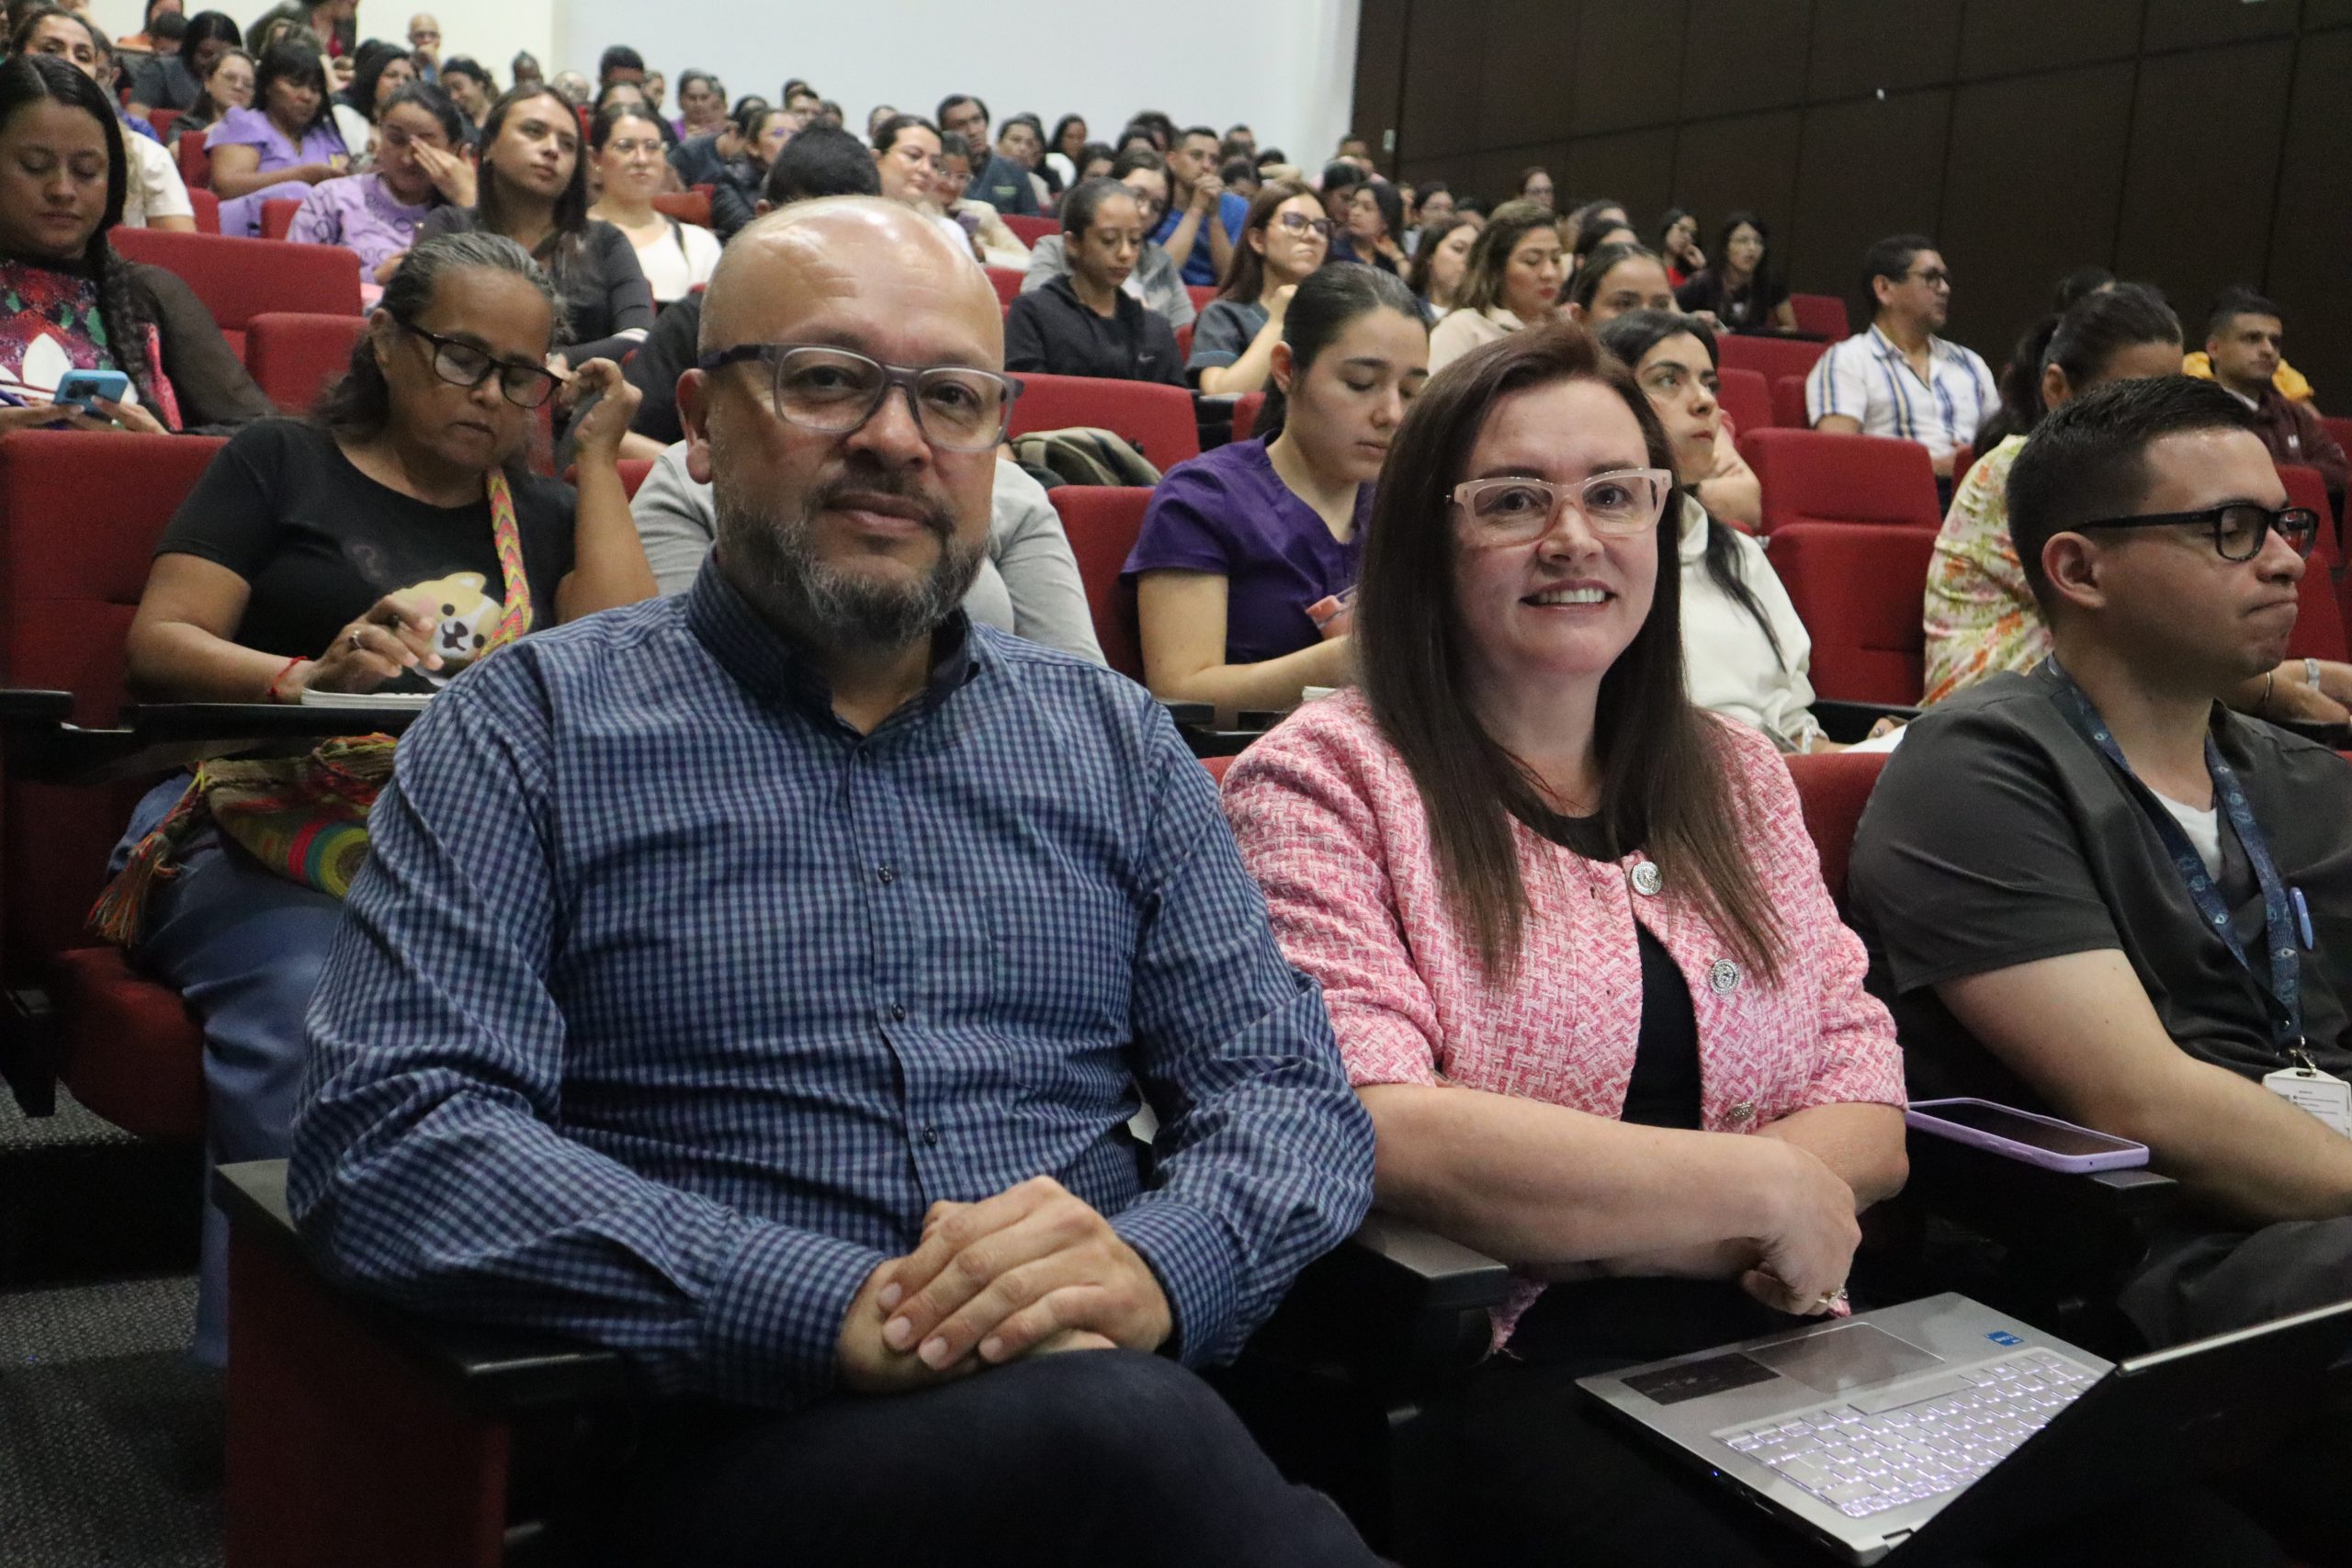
x=506, y=535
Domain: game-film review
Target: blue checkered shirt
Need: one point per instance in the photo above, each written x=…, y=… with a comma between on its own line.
x=670, y=1002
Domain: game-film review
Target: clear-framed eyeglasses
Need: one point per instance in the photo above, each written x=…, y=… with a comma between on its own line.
x=835, y=391
x=1518, y=511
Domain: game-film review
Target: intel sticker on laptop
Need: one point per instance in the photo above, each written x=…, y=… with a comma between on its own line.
x=1999, y=1337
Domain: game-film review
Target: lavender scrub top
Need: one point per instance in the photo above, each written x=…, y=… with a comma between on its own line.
x=1228, y=511
x=357, y=212
x=252, y=127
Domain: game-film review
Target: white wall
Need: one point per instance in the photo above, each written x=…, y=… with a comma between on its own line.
x=1285, y=67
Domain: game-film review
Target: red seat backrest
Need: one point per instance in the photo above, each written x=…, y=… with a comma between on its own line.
x=2319, y=615
x=1029, y=230
x=1747, y=397
x=1157, y=419
x=1833, y=787
x=1963, y=457
x=1217, y=766
x=292, y=356
x=196, y=163
x=162, y=120
x=1859, y=588
x=1202, y=293
x=1813, y=476
x=207, y=207
x=2339, y=428
x=1184, y=341
x=1769, y=356
x=277, y=217
x=1245, y=409
x=633, y=473
x=1007, y=284
x=1822, y=315
x=1102, y=522
x=239, y=280
x=686, y=206
x=1788, y=403
x=80, y=512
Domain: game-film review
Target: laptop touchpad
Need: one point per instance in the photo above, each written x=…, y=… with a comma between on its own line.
x=1853, y=1357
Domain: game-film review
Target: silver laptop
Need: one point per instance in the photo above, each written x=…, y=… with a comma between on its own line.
x=1864, y=1431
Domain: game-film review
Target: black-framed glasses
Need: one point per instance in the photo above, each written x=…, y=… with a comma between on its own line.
x=957, y=408
x=469, y=366
x=1934, y=277
x=1299, y=224
x=2239, y=528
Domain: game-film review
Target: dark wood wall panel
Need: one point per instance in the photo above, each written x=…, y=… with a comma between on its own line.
x=2036, y=172
x=2198, y=192
x=2194, y=143
x=1865, y=169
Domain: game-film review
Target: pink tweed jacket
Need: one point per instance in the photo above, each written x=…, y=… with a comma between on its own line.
x=1330, y=823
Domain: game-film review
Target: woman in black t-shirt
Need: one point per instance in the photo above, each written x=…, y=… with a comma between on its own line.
x=382, y=547
x=1741, y=287
x=533, y=190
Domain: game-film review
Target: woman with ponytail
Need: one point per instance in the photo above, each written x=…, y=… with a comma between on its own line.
x=67, y=300
x=1246, y=565
x=1746, y=652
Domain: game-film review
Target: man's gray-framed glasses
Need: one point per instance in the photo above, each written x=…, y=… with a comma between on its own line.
x=2239, y=528
x=463, y=364
x=957, y=409
x=1519, y=510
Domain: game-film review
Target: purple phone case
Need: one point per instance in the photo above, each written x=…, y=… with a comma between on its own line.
x=1920, y=1114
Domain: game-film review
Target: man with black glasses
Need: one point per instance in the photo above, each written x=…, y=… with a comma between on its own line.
x=1899, y=379
x=761, y=982
x=2095, y=889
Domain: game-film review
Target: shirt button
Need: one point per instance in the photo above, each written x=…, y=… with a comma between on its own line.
x=898, y=1012
x=885, y=874
x=931, y=1135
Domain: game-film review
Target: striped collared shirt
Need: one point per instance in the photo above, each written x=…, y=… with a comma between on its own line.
x=1868, y=379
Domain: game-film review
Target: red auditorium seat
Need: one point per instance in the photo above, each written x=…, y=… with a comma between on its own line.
x=1029, y=230
x=1157, y=419
x=239, y=280
x=1788, y=403
x=1217, y=766
x=2339, y=428
x=1857, y=586
x=1007, y=284
x=1832, y=789
x=1813, y=476
x=1748, y=398
x=1821, y=315
x=2320, y=617
x=1202, y=294
x=67, y=590
x=686, y=206
x=292, y=356
x=1184, y=342
x=1245, y=409
x=196, y=163
x=1102, y=522
x=162, y=120
x=277, y=217
x=1963, y=457
x=1769, y=356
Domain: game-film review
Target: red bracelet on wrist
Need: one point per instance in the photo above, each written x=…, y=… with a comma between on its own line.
x=271, y=689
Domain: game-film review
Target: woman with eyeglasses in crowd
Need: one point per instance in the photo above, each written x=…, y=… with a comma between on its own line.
x=421, y=163
x=381, y=547
x=676, y=257
x=227, y=84
x=1286, y=237
x=1246, y=564
x=1156, y=280
x=280, y=147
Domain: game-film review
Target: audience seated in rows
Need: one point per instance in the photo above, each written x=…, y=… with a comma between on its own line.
x=1377, y=227
x=1026, y=583
x=983, y=226
x=2096, y=890
x=1245, y=570
x=472, y=89
x=1744, y=652
x=1154, y=280
x=1284, y=238
x=227, y=85
x=154, y=196
x=1514, y=278
x=1899, y=379
x=533, y=188
x=1203, y=219
x=385, y=547
x=1441, y=260
x=1085, y=322
x=281, y=146
x=1741, y=289
x=702, y=105
x=2243, y=352
x=821, y=161
x=1338, y=188
x=1575, y=946
x=378, y=70
x=331, y=27
x=675, y=256
x=1535, y=185
x=1678, y=245
x=496, y=1061
x=424, y=45
x=1621, y=275
x=907, y=151
x=175, y=78
x=760, y=134
x=421, y=163
x=1001, y=179
x=71, y=302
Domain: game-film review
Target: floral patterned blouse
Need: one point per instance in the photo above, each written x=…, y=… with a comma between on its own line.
x=1981, y=617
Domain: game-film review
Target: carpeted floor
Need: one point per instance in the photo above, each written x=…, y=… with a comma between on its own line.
x=109, y=1437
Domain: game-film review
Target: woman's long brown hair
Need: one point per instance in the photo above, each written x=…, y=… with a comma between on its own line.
x=1245, y=274
x=1663, y=785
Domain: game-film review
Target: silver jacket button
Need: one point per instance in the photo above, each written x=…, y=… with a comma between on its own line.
x=1744, y=1112
x=1724, y=978
x=1648, y=879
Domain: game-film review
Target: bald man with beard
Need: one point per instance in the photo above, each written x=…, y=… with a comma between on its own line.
x=760, y=982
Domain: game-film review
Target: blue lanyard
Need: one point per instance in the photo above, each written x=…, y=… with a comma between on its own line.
x=2286, y=988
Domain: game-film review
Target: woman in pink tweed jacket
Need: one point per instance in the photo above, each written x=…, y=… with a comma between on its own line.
x=1574, y=938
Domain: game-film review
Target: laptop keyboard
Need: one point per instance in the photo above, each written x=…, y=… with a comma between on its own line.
x=1866, y=1463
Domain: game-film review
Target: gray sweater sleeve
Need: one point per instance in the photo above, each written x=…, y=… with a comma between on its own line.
x=1033, y=555
x=676, y=521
